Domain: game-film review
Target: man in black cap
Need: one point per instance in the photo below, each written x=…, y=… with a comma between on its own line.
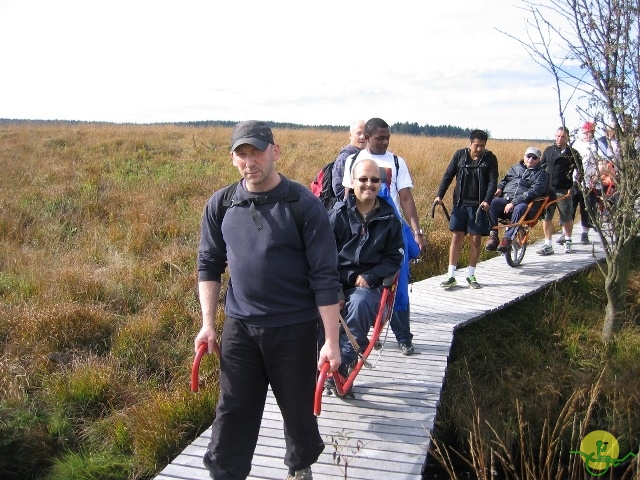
x=283, y=280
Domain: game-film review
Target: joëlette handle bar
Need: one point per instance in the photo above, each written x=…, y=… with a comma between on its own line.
x=444, y=209
x=195, y=368
x=343, y=385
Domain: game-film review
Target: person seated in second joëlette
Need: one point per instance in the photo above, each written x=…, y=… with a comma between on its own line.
x=524, y=181
x=368, y=235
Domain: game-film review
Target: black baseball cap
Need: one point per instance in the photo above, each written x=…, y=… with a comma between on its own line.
x=254, y=133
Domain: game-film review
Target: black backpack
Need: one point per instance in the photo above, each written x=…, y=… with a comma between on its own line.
x=292, y=197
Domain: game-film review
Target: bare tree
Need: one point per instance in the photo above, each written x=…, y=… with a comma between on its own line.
x=592, y=50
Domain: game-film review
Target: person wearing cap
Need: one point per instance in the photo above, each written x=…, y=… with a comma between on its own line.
x=476, y=172
x=524, y=182
x=394, y=169
x=561, y=162
x=283, y=281
x=370, y=247
x=593, y=153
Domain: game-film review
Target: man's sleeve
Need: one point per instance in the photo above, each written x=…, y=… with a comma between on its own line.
x=403, y=179
x=346, y=179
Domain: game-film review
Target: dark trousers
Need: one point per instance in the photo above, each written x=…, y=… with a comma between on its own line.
x=579, y=201
x=497, y=211
x=253, y=358
x=400, y=325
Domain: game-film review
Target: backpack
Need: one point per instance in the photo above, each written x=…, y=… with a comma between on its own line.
x=321, y=186
x=292, y=197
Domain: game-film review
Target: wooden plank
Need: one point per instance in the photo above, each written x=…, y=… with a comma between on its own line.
x=396, y=402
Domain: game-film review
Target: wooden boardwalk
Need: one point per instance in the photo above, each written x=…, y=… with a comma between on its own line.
x=396, y=402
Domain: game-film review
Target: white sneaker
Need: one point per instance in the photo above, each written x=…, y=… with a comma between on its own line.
x=568, y=247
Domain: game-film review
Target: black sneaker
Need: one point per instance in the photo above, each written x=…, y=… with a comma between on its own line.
x=584, y=238
x=473, y=283
x=329, y=383
x=304, y=474
x=406, y=348
x=449, y=282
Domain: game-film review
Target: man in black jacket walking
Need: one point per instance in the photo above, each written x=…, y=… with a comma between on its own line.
x=476, y=172
x=561, y=161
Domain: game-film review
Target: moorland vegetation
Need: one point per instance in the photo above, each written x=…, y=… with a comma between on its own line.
x=99, y=227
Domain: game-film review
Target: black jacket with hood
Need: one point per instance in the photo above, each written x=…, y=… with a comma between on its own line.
x=461, y=165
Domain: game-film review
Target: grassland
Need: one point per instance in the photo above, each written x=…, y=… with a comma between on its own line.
x=99, y=227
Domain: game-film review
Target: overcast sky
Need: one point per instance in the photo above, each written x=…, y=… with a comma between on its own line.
x=308, y=62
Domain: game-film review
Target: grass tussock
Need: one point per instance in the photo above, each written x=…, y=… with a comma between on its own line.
x=526, y=385
x=99, y=227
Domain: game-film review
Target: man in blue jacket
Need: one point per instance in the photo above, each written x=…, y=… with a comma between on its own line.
x=370, y=246
x=525, y=181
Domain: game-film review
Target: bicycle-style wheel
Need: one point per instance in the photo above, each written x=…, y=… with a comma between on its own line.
x=518, y=248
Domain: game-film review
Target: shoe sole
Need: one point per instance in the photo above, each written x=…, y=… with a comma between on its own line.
x=447, y=287
x=545, y=254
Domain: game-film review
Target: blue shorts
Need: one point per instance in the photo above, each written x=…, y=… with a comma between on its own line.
x=463, y=219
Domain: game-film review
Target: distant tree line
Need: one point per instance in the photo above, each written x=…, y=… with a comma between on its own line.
x=405, y=128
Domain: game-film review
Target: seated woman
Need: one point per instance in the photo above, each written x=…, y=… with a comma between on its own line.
x=524, y=181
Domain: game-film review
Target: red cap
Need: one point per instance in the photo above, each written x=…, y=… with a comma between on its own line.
x=589, y=127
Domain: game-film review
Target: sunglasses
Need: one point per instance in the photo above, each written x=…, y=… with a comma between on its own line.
x=373, y=180
x=531, y=155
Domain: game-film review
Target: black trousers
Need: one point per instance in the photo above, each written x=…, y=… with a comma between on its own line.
x=580, y=201
x=253, y=358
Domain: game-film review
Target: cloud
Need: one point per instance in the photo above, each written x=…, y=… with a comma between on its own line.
x=291, y=61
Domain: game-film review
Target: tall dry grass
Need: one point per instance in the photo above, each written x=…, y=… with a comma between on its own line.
x=525, y=386
x=99, y=227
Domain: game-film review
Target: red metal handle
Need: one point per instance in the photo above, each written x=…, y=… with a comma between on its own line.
x=317, y=401
x=202, y=349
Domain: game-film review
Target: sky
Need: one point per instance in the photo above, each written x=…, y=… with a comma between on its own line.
x=308, y=62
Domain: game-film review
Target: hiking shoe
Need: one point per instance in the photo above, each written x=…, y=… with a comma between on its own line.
x=473, y=283
x=304, y=474
x=406, y=348
x=568, y=247
x=584, y=238
x=545, y=250
x=492, y=243
x=449, y=282
x=561, y=239
x=329, y=383
x=505, y=245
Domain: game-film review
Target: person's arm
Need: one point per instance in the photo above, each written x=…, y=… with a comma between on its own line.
x=208, y=291
x=330, y=351
x=449, y=175
x=410, y=213
x=337, y=172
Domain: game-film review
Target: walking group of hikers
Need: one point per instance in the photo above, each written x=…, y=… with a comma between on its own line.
x=298, y=259
x=562, y=172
